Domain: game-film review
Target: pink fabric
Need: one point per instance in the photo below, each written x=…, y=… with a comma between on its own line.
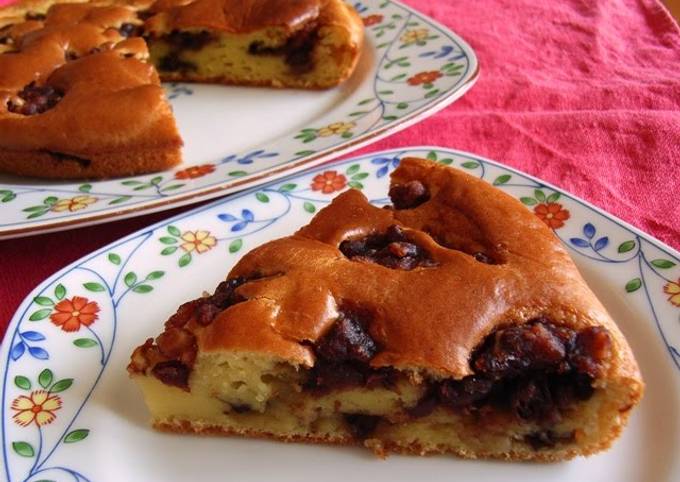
x=584, y=94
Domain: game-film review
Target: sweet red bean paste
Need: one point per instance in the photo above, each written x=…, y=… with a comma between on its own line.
x=534, y=371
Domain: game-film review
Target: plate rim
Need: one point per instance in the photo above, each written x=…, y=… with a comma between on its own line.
x=401, y=151
x=231, y=186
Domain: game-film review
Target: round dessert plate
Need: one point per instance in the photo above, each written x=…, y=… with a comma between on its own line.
x=238, y=137
x=69, y=412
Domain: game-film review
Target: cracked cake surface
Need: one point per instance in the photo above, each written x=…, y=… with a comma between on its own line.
x=80, y=93
x=451, y=321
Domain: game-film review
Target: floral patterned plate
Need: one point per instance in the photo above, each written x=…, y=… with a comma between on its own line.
x=239, y=137
x=70, y=413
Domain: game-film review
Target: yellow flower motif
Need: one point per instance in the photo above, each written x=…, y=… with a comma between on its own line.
x=201, y=241
x=39, y=407
x=74, y=204
x=673, y=289
x=414, y=35
x=336, y=128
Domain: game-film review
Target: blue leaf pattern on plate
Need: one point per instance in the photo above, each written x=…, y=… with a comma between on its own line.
x=37, y=352
x=18, y=350
x=386, y=163
x=443, y=52
x=360, y=7
x=601, y=243
x=589, y=230
x=33, y=336
x=581, y=243
x=239, y=226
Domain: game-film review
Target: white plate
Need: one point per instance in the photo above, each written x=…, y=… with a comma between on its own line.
x=237, y=137
x=100, y=431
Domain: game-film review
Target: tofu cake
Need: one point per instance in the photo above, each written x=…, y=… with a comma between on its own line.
x=452, y=321
x=78, y=98
x=312, y=44
x=80, y=93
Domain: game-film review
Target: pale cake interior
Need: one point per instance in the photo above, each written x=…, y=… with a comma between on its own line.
x=247, y=393
x=258, y=58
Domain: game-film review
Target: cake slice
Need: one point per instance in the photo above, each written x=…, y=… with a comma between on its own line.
x=451, y=322
x=278, y=43
x=78, y=98
x=80, y=95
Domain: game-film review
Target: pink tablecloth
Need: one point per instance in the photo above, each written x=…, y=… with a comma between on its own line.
x=584, y=94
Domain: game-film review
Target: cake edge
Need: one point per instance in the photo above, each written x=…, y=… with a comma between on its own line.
x=105, y=165
x=383, y=448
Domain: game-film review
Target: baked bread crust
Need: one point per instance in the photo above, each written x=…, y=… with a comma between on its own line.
x=106, y=114
x=485, y=264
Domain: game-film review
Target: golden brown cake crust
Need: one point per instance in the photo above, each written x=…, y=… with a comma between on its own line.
x=299, y=283
x=466, y=299
x=109, y=106
x=235, y=16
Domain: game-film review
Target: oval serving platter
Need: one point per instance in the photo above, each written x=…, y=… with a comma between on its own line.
x=70, y=413
x=238, y=137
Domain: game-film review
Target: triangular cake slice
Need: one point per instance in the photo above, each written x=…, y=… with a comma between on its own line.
x=452, y=321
